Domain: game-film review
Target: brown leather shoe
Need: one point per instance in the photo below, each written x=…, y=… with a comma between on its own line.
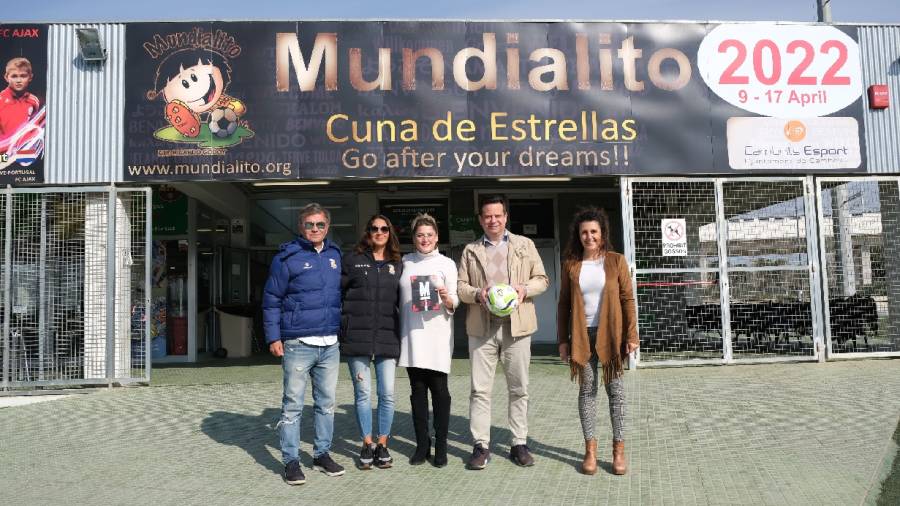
x=619, y=466
x=521, y=456
x=589, y=465
x=479, y=459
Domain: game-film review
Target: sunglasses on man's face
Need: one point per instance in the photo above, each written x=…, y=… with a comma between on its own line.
x=310, y=225
x=385, y=229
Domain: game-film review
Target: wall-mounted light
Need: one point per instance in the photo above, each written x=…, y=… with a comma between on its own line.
x=414, y=181
x=548, y=179
x=293, y=183
x=89, y=45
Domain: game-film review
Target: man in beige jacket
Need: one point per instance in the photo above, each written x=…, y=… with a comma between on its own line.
x=499, y=257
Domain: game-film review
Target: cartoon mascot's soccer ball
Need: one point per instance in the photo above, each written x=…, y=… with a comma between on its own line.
x=502, y=299
x=223, y=122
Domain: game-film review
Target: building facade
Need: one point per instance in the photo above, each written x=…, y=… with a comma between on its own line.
x=750, y=170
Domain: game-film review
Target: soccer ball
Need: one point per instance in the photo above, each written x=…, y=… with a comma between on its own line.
x=223, y=122
x=502, y=299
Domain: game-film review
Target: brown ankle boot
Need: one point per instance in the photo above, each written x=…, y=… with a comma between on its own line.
x=589, y=465
x=619, y=466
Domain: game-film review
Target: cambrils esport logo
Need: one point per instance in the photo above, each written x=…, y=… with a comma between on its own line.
x=795, y=130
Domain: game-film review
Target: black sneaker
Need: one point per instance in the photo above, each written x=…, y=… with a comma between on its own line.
x=480, y=458
x=521, y=456
x=366, y=456
x=382, y=458
x=293, y=475
x=326, y=465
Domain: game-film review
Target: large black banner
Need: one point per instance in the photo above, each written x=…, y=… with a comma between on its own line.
x=282, y=100
x=23, y=56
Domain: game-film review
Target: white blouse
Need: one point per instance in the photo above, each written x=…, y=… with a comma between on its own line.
x=592, y=280
x=427, y=336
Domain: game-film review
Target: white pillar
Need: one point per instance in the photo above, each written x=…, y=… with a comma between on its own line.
x=95, y=295
x=843, y=235
x=124, y=263
x=866, y=260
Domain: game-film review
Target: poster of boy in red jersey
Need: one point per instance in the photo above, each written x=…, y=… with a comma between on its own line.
x=22, y=112
x=17, y=105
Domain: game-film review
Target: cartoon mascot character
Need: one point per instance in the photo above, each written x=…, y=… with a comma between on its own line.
x=195, y=81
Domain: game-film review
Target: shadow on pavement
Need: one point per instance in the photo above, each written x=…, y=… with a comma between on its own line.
x=256, y=435
x=458, y=433
x=253, y=434
x=890, y=487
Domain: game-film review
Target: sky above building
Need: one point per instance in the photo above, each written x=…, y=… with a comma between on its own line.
x=848, y=11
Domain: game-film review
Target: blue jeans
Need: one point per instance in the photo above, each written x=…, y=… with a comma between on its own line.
x=302, y=363
x=362, y=388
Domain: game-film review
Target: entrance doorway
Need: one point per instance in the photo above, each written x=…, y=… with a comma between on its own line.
x=402, y=210
x=737, y=283
x=535, y=218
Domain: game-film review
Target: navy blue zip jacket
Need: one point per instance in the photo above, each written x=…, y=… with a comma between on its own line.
x=302, y=296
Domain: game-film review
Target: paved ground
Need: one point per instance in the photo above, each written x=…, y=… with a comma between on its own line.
x=890, y=487
x=8, y=401
x=761, y=434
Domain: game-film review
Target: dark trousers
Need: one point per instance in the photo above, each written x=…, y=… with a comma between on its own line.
x=421, y=381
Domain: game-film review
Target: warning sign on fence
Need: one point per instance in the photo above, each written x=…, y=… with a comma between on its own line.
x=674, y=237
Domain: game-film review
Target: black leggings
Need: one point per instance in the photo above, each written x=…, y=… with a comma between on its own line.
x=420, y=382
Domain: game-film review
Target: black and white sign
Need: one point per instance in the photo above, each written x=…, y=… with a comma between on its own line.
x=674, y=237
x=424, y=293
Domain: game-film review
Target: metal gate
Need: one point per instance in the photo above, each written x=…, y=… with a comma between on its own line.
x=75, y=276
x=860, y=251
x=740, y=286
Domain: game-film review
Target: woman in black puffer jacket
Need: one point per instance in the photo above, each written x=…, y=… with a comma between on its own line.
x=370, y=331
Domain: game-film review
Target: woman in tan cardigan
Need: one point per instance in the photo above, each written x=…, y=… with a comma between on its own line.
x=596, y=324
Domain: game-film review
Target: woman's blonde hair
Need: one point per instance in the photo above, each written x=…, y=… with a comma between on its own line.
x=422, y=220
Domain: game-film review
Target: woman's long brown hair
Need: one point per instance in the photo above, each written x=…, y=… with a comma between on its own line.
x=391, y=249
x=574, y=250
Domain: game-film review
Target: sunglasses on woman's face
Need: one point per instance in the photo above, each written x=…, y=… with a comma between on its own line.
x=384, y=229
x=319, y=224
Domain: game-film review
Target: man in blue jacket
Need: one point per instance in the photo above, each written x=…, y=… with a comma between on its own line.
x=302, y=316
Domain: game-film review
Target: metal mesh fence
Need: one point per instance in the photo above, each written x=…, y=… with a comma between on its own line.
x=680, y=316
x=27, y=348
x=766, y=223
x=5, y=342
x=138, y=296
x=770, y=314
x=679, y=306
x=693, y=201
x=768, y=269
x=95, y=287
x=763, y=249
x=61, y=299
x=860, y=222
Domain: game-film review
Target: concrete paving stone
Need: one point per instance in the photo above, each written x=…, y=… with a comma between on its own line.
x=761, y=434
x=23, y=400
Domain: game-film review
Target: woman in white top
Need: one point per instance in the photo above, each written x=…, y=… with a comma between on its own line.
x=596, y=326
x=427, y=301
